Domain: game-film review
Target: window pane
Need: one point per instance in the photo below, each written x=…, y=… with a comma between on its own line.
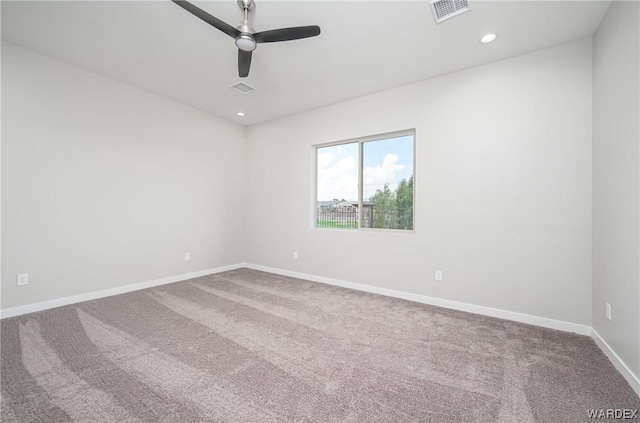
x=388, y=183
x=337, y=198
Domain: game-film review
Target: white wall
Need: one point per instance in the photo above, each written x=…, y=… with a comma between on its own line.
x=105, y=185
x=503, y=187
x=616, y=181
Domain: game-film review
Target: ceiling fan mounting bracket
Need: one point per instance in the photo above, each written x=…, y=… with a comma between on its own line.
x=248, y=5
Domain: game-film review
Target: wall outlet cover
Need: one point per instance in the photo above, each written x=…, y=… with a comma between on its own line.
x=23, y=279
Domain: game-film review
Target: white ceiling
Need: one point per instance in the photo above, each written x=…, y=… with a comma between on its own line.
x=364, y=47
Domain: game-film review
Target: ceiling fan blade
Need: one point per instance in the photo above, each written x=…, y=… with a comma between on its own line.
x=244, y=63
x=211, y=20
x=286, y=34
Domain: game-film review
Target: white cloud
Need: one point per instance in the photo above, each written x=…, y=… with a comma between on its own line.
x=376, y=176
x=324, y=159
x=339, y=180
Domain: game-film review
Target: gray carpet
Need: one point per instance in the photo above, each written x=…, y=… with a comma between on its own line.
x=249, y=346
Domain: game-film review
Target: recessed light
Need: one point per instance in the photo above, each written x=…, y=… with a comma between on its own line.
x=240, y=114
x=488, y=38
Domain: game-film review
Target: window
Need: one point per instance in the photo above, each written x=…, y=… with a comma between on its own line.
x=366, y=183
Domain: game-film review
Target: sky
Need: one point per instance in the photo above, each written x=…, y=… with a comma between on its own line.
x=385, y=161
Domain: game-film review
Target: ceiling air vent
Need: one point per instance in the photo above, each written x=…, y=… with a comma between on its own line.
x=446, y=9
x=242, y=88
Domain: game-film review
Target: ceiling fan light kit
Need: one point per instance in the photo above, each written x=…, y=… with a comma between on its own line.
x=246, y=43
x=245, y=37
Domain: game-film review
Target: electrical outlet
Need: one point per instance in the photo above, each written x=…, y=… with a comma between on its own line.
x=187, y=256
x=23, y=279
x=438, y=275
x=295, y=255
x=607, y=311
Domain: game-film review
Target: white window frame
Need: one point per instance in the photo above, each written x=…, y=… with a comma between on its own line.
x=361, y=141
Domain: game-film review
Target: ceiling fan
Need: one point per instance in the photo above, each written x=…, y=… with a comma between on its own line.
x=246, y=38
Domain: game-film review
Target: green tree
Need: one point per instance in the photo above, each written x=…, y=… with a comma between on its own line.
x=384, y=208
x=393, y=209
x=404, y=204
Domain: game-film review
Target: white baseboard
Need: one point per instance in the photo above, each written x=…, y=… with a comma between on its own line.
x=439, y=302
x=620, y=365
x=455, y=305
x=58, y=302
